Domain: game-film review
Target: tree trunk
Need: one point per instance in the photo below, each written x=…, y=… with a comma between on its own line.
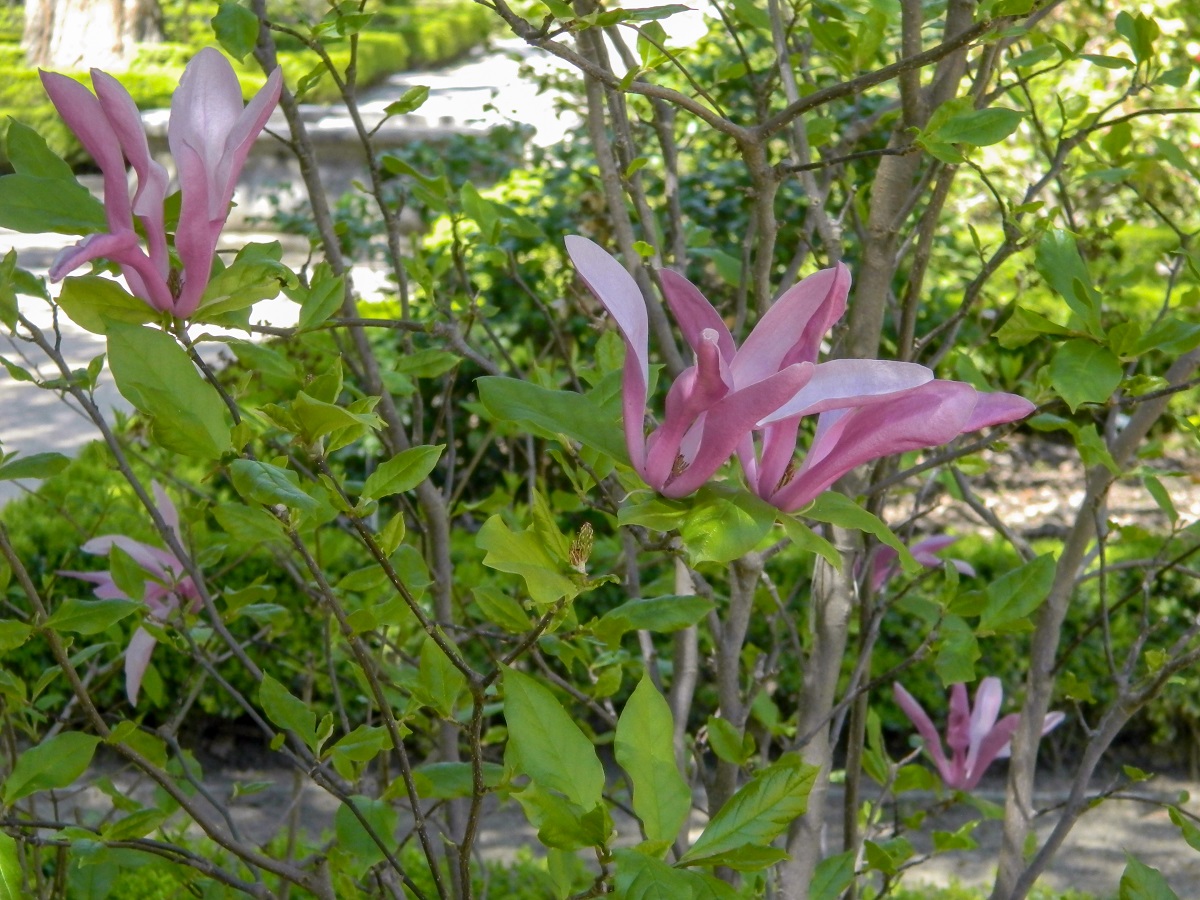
x=81, y=34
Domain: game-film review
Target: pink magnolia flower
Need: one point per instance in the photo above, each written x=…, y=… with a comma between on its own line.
x=866, y=410
x=884, y=565
x=712, y=406
x=166, y=588
x=210, y=134
x=974, y=736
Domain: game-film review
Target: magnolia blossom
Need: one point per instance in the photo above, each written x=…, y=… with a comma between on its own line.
x=884, y=563
x=713, y=405
x=880, y=421
x=166, y=588
x=973, y=735
x=210, y=134
x=866, y=408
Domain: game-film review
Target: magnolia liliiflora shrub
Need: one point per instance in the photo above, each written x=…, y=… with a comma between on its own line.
x=750, y=400
x=973, y=735
x=166, y=588
x=210, y=134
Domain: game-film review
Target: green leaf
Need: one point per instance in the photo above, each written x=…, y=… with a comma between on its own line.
x=1186, y=827
x=838, y=509
x=642, y=877
x=809, y=541
x=980, y=127
x=501, y=609
x=248, y=525
x=325, y=296
x=1084, y=372
x=288, y=712
x=54, y=763
x=91, y=616
x=1024, y=326
x=439, y=684
x=545, y=743
x=1012, y=598
x=155, y=374
x=91, y=302
x=402, y=472
x=886, y=856
x=760, y=811
x=958, y=650
x=32, y=205
x=832, y=876
x=959, y=839
x=318, y=418
x=36, y=465
x=269, y=485
x=447, y=780
x=661, y=615
x=354, y=839
x=645, y=749
x=562, y=824
x=255, y=274
x=30, y=155
x=10, y=869
x=727, y=742
x=525, y=553
x=1142, y=882
x=1059, y=262
x=724, y=523
x=236, y=29
x=549, y=413
x=411, y=100
x=13, y=634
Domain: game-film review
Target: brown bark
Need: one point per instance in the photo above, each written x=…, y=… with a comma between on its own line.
x=80, y=34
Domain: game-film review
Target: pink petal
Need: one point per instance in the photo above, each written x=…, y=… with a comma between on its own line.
x=166, y=509
x=106, y=588
x=778, y=448
x=126, y=122
x=159, y=563
x=792, y=328
x=694, y=313
x=692, y=394
x=137, y=659
x=997, y=408
x=988, y=697
x=618, y=293
x=924, y=725
x=728, y=422
x=210, y=135
x=931, y=545
x=1049, y=723
x=990, y=748
x=925, y=416
x=852, y=382
x=82, y=112
x=883, y=566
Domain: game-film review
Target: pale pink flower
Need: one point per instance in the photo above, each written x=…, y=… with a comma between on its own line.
x=210, y=134
x=973, y=735
x=884, y=563
x=166, y=588
x=710, y=408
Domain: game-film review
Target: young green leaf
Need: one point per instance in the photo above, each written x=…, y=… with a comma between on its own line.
x=645, y=749
x=402, y=472
x=1085, y=372
x=90, y=616
x=155, y=374
x=288, y=711
x=753, y=817
x=236, y=29
x=1142, y=882
x=546, y=744
x=1012, y=598
x=54, y=763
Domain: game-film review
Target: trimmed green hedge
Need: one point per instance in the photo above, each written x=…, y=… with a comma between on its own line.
x=399, y=37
